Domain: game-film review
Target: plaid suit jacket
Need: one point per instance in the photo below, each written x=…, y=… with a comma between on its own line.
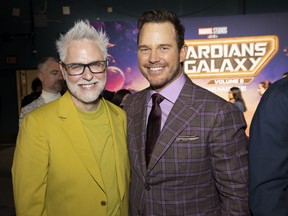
x=199, y=164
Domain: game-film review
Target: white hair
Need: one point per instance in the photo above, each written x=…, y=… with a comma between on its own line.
x=82, y=30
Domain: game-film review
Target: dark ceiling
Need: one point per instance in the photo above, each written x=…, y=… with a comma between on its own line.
x=27, y=23
x=15, y=13
x=133, y=8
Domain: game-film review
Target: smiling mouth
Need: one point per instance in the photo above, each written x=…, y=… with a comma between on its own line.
x=90, y=85
x=155, y=68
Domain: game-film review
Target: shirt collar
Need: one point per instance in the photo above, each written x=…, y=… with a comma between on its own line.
x=172, y=91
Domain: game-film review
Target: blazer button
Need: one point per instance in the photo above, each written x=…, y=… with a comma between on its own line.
x=147, y=187
x=103, y=203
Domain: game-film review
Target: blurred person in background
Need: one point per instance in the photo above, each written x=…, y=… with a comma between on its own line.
x=52, y=84
x=235, y=97
x=36, y=87
x=263, y=86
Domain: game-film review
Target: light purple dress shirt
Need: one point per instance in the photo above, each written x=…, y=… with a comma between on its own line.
x=171, y=93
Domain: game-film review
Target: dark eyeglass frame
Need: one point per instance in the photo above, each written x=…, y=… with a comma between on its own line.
x=67, y=66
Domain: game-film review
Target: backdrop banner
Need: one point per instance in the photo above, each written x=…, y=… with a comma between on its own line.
x=223, y=52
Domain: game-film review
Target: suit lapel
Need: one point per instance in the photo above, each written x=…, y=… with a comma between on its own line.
x=182, y=113
x=120, y=148
x=72, y=127
x=139, y=127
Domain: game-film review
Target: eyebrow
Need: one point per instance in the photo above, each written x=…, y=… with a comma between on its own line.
x=160, y=45
x=78, y=63
x=141, y=46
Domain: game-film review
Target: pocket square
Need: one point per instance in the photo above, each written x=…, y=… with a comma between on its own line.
x=186, y=138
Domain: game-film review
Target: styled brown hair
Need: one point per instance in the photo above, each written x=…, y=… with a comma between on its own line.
x=161, y=16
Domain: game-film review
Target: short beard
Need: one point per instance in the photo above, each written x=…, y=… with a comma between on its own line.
x=85, y=99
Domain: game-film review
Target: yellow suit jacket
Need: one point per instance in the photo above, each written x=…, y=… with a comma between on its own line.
x=54, y=169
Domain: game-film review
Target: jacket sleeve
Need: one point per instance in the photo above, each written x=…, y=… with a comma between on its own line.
x=229, y=158
x=29, y=169
x=268, y=155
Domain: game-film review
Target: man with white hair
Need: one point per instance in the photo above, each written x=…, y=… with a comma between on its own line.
x=71, y=155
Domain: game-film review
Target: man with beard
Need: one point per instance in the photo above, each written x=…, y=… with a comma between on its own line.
x=71, y=156
x=52, y=83
x=198, y=164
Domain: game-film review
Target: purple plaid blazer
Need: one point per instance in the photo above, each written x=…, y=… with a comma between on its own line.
x=199, y=165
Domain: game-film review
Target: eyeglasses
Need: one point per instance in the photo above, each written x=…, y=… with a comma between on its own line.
x=77, y=69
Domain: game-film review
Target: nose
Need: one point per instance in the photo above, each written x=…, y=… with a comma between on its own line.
x=88, y=75
x=154, y=56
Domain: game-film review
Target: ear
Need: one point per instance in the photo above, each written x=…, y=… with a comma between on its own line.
x=62, y=71
x=40, y=76
x=183, y=52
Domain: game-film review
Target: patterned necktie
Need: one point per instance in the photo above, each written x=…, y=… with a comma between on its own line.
x=153, y=126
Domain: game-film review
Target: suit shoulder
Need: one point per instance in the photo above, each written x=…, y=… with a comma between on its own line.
x=196, y=95
x=275, y=97
x=278, y=88
x=205, y=94
x=136, y=96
